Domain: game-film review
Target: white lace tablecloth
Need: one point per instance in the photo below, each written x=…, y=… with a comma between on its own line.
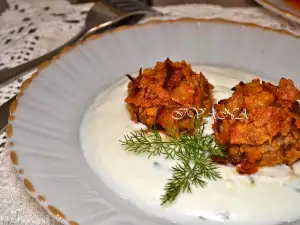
x=31, y=28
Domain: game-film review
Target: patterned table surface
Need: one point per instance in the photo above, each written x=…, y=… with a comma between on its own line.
x=32, y=27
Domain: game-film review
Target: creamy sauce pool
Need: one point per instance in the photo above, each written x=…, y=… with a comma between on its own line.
x=270, y=196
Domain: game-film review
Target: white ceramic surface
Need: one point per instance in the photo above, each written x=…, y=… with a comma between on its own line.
x=282, y=8
x=46, y=125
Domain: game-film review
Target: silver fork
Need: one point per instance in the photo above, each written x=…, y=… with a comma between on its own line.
x=100, y=17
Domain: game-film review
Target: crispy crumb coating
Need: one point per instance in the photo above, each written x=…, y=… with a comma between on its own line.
x=270, y=133
x=158, y=92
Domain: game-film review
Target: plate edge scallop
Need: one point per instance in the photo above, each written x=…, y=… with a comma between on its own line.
x=52, y=210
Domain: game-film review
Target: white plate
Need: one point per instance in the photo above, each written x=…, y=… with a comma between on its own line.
x=283, y=8
x=44, y=127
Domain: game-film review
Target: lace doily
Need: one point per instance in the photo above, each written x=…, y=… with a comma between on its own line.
x=47, y=24
x=29, y=28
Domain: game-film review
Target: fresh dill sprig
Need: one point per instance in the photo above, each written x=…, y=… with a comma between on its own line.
x=187, y=174
x=192, y=152
x=152, y=143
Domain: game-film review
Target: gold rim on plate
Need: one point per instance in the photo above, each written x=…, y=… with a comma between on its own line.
x=278, y=10
x=54, y=211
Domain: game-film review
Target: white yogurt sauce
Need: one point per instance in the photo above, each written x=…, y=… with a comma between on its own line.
x=232, y=200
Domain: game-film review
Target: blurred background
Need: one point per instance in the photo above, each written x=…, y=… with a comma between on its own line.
x=173, y=2
x=225, y=3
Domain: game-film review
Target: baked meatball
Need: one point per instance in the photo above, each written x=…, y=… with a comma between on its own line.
x=269, y=132
x=157, y=93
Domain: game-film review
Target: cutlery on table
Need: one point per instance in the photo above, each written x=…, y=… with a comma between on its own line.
x=100, y=18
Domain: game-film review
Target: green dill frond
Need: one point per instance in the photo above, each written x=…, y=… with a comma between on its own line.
x=192, y=152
